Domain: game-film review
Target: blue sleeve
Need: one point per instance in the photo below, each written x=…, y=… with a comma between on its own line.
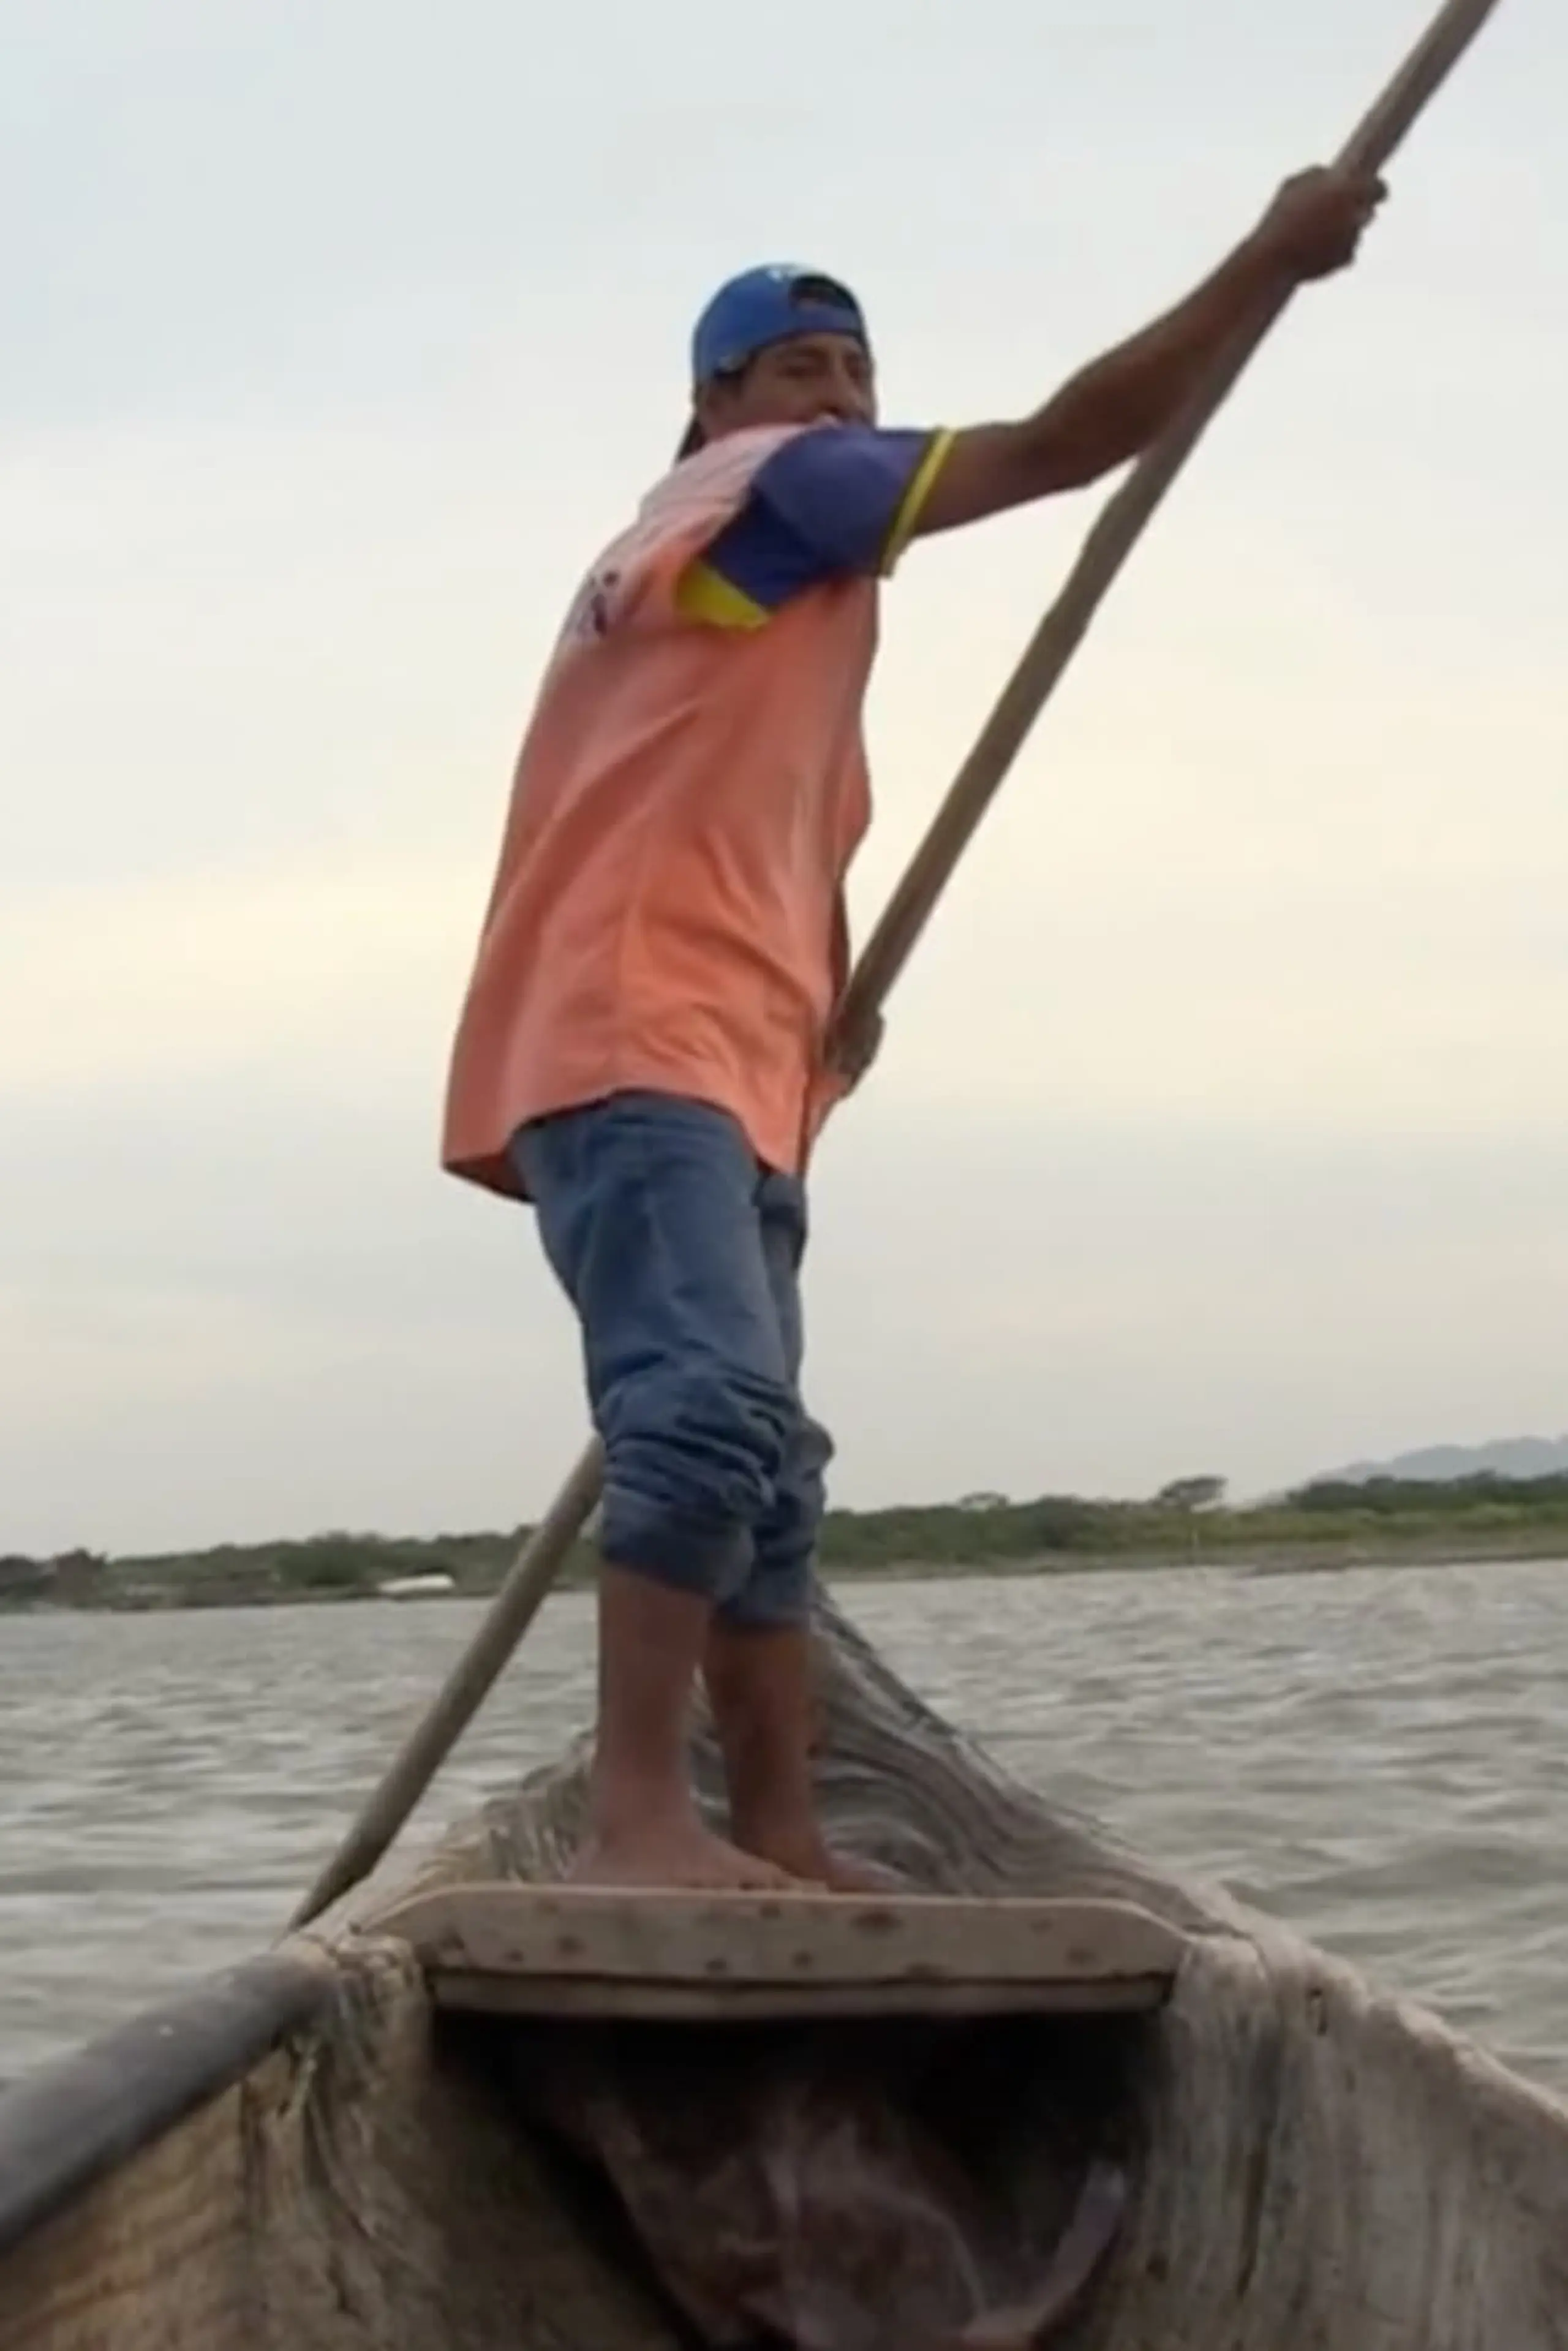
x=825, y=505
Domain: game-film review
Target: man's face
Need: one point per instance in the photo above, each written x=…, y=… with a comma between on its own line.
x=809, y=380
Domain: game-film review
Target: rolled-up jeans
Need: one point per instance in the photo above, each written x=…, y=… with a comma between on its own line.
x=680, y=1254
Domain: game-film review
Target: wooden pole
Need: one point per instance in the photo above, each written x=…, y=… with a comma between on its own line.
x=1117, y=530
x=460, y=1697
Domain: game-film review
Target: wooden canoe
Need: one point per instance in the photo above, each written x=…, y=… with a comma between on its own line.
x=415, y=2130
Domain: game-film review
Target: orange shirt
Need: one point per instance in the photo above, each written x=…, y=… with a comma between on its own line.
x=667, y=913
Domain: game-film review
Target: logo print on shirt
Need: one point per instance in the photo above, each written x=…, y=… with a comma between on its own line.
x=594, y=614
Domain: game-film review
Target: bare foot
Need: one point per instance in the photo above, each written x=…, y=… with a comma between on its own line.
x=808, y=1858
x=845, y=1875
x=681, y=1854
x=841, y=1873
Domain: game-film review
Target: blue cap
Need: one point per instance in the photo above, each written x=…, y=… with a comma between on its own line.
x=768, y=306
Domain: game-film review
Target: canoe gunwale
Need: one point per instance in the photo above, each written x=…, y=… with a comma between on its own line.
x=78, y=2119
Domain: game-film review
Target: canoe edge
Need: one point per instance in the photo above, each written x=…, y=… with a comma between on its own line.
x=80, y=2117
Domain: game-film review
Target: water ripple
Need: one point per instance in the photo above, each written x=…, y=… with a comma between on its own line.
x=1380, y=1758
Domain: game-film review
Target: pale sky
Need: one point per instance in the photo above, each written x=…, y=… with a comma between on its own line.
x=1221, y=1122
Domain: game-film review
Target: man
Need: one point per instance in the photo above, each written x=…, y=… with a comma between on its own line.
x=646, y=1051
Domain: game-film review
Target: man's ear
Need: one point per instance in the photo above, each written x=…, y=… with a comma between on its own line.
x=708, y=409
x=716, y=402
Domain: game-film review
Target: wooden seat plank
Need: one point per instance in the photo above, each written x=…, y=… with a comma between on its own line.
x=598, y=1951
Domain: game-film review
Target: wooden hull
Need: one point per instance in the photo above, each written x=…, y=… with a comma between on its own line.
x=305, y=2159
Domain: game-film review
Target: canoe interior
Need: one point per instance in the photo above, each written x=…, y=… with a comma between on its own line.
x=400, y=2180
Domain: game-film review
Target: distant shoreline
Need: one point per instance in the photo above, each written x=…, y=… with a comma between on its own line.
x=186, y=1585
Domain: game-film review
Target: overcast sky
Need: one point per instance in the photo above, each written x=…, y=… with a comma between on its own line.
x=1221, y=1123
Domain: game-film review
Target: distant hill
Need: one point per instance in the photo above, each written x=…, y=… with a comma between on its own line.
x=1508, y=1456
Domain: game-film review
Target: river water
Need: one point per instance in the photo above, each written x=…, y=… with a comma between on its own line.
x=1379, y=1757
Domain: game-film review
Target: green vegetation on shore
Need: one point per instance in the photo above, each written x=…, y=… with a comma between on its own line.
x=1326, y=1524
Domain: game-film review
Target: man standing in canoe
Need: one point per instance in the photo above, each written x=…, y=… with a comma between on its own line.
x=646, y=1049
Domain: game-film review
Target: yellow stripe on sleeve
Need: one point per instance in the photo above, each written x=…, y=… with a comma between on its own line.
x=703, y=594
x=913, y=499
